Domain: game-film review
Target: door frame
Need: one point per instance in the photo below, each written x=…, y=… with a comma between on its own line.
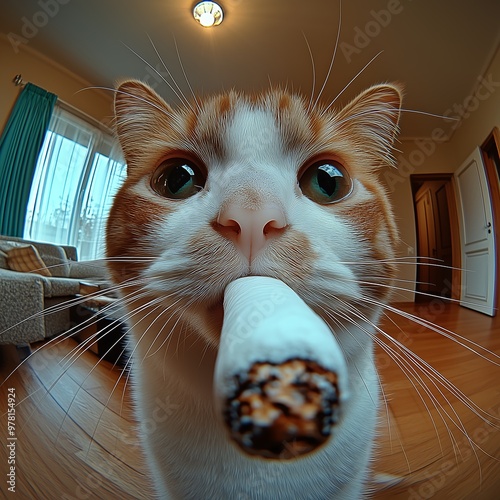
x=456, y=253
x=491, y=146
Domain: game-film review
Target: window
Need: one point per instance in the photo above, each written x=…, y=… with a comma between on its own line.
x=79, y=171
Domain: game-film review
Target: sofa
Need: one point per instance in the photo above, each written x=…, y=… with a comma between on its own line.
x=36, y=278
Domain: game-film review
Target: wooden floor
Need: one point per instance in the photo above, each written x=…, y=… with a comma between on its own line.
x=76, y=439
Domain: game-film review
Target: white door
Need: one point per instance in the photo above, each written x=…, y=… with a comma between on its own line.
x=477, y=236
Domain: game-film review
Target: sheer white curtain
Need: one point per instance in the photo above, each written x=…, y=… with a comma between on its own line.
x=79, y=170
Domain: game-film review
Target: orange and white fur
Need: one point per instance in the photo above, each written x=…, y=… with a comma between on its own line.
x=237, y=185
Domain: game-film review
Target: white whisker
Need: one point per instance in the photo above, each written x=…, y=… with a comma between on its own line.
x=332, y=61
x=174, y=88
x=352, y=80
x=137, y=98
x=195, y=98
x=313, y=67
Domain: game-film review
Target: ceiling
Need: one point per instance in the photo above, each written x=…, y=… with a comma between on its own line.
x=437, y=49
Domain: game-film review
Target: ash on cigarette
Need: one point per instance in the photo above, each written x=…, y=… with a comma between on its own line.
x=282, y=411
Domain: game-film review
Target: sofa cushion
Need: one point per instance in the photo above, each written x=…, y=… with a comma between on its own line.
x=27, y=259
x=61, y=287
x=90, y=270
x=5, y=246
x=55, y=258
x=3, y=260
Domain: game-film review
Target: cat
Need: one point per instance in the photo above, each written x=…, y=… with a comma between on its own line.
x=236, y=185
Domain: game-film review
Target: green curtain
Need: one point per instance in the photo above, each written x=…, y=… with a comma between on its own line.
x=20, y=145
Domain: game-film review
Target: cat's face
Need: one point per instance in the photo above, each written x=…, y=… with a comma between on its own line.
x=266, y=185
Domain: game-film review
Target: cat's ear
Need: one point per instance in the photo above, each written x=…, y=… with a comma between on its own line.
x=139, y=112
x=373, y=116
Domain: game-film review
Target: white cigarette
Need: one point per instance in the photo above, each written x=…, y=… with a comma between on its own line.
x=280, y=376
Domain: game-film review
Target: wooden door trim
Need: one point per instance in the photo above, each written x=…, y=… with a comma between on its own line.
x=492, y=144
x=456, y=253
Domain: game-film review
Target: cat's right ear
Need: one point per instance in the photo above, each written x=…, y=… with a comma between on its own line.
x=139, y=112
x=372, y=118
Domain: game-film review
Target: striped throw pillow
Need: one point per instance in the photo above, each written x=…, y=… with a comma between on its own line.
x=26, y=259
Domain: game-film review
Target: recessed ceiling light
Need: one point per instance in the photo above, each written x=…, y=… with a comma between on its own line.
x=208, y=14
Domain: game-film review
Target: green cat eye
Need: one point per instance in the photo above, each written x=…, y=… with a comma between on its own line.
x=177, y=179
x=325, y=182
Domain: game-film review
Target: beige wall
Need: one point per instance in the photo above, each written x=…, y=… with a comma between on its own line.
x=49, y=75
x=480, y=113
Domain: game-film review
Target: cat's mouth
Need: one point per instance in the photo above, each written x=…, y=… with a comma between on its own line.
x=215, y=308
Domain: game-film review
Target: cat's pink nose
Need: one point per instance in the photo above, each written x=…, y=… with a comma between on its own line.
x=251, y=229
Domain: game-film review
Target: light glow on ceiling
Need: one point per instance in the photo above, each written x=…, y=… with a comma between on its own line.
x=208, y=14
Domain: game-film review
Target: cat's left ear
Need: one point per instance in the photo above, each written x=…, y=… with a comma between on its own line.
x=140, y=113
x=373, y=116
